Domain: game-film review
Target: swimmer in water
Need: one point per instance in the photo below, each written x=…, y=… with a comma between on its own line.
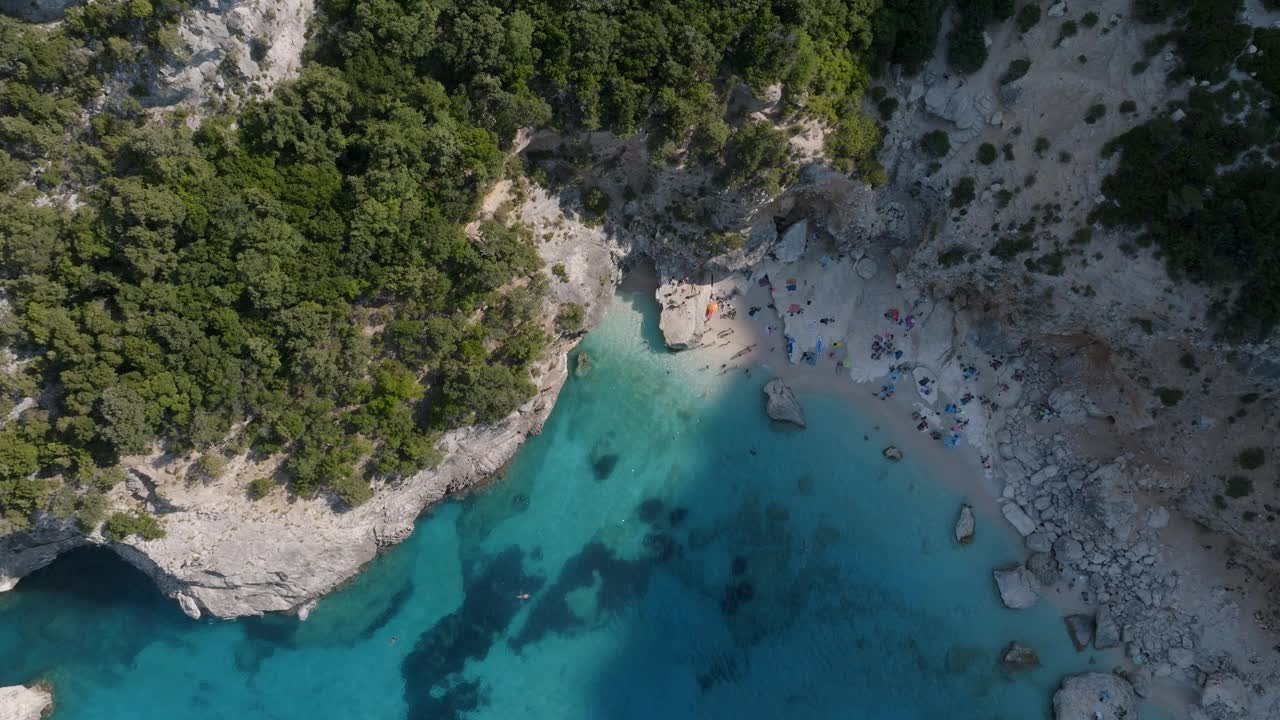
x=522, y=596
x=393, y=640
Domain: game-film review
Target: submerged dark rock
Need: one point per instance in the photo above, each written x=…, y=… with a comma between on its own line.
x=650, y=510
x=618, y=582
x=737, y=595
x=677, y=516
x=1019, y=657
x=434, y=687
x=603, y=465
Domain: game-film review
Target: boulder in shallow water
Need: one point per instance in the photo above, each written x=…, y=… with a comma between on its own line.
x=892, y=453
x=1018, y=587
x=1019, y=657
x=582, y=365
x=1095, y=696
x=24, y=703
x=965, y=525
x=782, y=404
x=1106, y=633
x=1080, y=629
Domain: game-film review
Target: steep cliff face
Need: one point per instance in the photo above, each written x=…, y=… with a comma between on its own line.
x=1001, y=228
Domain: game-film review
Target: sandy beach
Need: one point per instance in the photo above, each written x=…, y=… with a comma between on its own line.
x=789, y=308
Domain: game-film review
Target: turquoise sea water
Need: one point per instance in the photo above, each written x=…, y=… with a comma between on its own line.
x=671, y=573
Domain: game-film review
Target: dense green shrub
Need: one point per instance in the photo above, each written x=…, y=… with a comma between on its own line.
x=905, y=32
x=854, y=144
x=570, y=318
x=260, y=488
x=952, y=256
x=1016, y=70
x=887, y=107
x=123, y=525
x=759, y=156
x=963, y=193
x=1090, y=19
x=1211, y=227
x=987, y=153
x=596, y=202
x=966, y=49
x=1238, y=487
x=1009, y=246
x=1095, y=113
x=1041, y=145
x=936, y=143
x=1028, y=16
x=1251, y=458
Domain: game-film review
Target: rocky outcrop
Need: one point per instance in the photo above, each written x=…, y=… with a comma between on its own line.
x=24, y=703
x=892, y=453
x=782, y=404
x=792, y=244
x=226, y=556
x=1019, y=657
x=229, y=556
x=1095, y=696
x=684, y=313
x=1018, y=587
x=235, y=49
x=965, y=525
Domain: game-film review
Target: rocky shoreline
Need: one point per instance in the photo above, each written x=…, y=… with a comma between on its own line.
x=1095, y=476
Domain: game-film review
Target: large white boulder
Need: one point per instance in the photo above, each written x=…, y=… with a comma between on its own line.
x=24, y=703
x=782, y=404
x=1018, y=587
x=1095, y=696
x=790, y=247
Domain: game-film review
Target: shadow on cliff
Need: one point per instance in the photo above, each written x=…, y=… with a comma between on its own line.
x=84, y=606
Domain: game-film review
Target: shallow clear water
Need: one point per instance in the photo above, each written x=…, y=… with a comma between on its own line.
x=671, y=572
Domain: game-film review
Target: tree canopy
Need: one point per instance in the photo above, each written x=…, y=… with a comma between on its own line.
x=296, y=278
